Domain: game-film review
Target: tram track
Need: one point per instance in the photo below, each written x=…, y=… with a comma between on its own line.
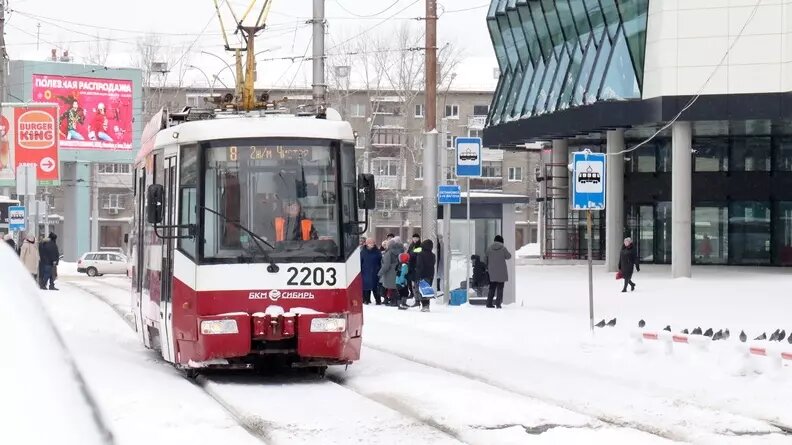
x=772, y=426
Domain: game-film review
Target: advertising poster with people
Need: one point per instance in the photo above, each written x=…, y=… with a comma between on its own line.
x=95, y=114
x=29, y=136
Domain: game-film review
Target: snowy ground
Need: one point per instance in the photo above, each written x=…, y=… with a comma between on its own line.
x=530, y=373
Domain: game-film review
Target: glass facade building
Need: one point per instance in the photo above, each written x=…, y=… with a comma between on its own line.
x=590, y=73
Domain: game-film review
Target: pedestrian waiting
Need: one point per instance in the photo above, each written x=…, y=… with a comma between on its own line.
x=497, y=255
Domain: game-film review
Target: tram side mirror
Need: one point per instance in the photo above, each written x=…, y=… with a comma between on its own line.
x=126, y=238
x=155, y=197
x=367, y=199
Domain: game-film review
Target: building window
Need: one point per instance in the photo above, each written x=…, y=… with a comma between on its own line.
x=419, y=110
x=450, y=141
x=452, y=111
x=750, y=154
x=360, y=142
x=749, y=232
x=387, y=204
x=114, y=169
x=475, y=133
x=712, y=154
x=783, y=154
x=358, y=110
x=419, y=171
x=783, y=233
x=113, y=201
x=515, y=174
x=491, y=169
x=710, y=235
x=385, y=166
x=480, y=110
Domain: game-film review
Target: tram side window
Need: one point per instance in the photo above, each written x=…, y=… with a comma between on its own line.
x=349, y=190
x=188, y=196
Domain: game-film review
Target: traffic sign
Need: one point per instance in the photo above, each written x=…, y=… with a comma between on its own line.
x=588, y=180
x=449, y=194
x=468, y=157
x=16, y=218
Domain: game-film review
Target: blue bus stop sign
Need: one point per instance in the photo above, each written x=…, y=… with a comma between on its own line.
x=588, y=180
x=449, y=194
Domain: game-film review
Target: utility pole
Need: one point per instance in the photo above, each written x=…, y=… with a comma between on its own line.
x=38, y=35
x=429, y=207
x=319, y=85
x=3, y=54
x=95, y=207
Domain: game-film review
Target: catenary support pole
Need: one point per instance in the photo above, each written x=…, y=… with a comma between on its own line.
x=589, y=223
x=95, y=207
x=319, y=85
x=469, y=267
x=429, y=202
x=681, y=197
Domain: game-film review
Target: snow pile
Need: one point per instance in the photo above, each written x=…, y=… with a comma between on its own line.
x=44, y=399
x=529, y=250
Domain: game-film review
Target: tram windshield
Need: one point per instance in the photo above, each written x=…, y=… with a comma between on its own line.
x=282, y=192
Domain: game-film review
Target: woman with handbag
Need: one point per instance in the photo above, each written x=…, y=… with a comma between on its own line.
x=424, y=271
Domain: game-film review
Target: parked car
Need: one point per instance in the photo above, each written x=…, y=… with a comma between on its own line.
x=100, y=263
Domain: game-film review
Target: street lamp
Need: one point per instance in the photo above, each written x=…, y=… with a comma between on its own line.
x=210, y=84
x=343, y=72
x=222, y=60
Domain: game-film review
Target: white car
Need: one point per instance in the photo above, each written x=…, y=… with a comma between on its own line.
x=101, y=263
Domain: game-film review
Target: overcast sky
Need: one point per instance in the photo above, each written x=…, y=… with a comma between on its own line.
x=192, y=23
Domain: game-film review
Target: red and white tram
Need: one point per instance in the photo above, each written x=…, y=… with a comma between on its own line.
x=245, y=245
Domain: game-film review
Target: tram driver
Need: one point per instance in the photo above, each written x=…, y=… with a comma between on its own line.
x=294, y=225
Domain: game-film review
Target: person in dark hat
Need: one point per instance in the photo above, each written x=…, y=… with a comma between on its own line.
x=49, y=255
x=497, y=255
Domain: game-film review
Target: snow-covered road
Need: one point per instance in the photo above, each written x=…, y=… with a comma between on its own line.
x=456, y=375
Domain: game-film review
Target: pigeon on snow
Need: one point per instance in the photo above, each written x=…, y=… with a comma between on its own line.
x=726, y=334
x=743, y=337
x=696, y=331
x=612, y=323
x=774, y=335
x=762, y=337
x=781, y=335
x=641, y=324
x=600, y=324
x=790, y=339
x=685, y=331
x=667, y=328
x=717, y=336
x=708, y=332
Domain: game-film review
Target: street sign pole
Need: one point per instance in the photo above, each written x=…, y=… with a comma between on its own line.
x=590, y=271
x=468, y=165
x=588, y=194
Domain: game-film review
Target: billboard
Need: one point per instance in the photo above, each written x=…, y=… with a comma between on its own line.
x=29, y=136
x=95, y=113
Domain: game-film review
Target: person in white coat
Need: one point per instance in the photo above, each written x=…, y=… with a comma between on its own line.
x=29, y=254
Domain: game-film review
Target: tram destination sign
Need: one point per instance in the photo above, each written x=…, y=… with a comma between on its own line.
x=266, y=153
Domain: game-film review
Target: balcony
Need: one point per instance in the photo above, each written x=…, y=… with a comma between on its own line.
x=388, y=137
x=487, y=184
x=388, y=182
x=477, y=122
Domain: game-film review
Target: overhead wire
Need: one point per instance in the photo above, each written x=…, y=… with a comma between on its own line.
x=367, y=30
x=366, y=16
x=698, y=95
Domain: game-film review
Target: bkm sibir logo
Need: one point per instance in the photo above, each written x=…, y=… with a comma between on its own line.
x=276, y=295
x=36, y=130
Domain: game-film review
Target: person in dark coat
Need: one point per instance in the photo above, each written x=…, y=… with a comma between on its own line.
x=387, y=273
x=497, y=255
x=414, y=249
x=370, y=264
x=424, y=271
x=628, y=260
x=48, y=257
x=479, y=278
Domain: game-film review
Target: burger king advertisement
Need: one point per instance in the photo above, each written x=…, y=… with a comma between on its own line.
x=95, y=113
x=29, y=136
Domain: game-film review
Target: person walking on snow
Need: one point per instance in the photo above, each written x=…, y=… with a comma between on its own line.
x=29, y=254
x=628, y=259
x=424, y=271
x=497, y=255
x=414, y=249
x=387, y=273
x=370, y=264
x=402, y=283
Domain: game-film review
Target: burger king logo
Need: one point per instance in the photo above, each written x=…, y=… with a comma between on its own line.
x=36, y=130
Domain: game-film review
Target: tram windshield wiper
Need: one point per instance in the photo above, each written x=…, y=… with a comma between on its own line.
x=258, y=239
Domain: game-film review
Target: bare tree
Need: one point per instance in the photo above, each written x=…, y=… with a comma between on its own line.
x=99, y=50
x=162, y=65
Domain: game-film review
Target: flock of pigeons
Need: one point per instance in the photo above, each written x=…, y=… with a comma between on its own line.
x=722, y=334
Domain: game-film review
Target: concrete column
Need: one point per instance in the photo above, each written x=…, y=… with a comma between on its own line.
x=681, y=199
x=560, y=195
x=614, y=209
x=74, y=235
x=508, y=226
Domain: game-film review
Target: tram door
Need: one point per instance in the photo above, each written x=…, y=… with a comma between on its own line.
x=169, y=220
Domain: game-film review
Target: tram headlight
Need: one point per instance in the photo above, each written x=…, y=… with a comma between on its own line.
x=213, y=327
x=328, y=325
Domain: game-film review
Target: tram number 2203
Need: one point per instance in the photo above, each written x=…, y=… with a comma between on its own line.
x=307, y=276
